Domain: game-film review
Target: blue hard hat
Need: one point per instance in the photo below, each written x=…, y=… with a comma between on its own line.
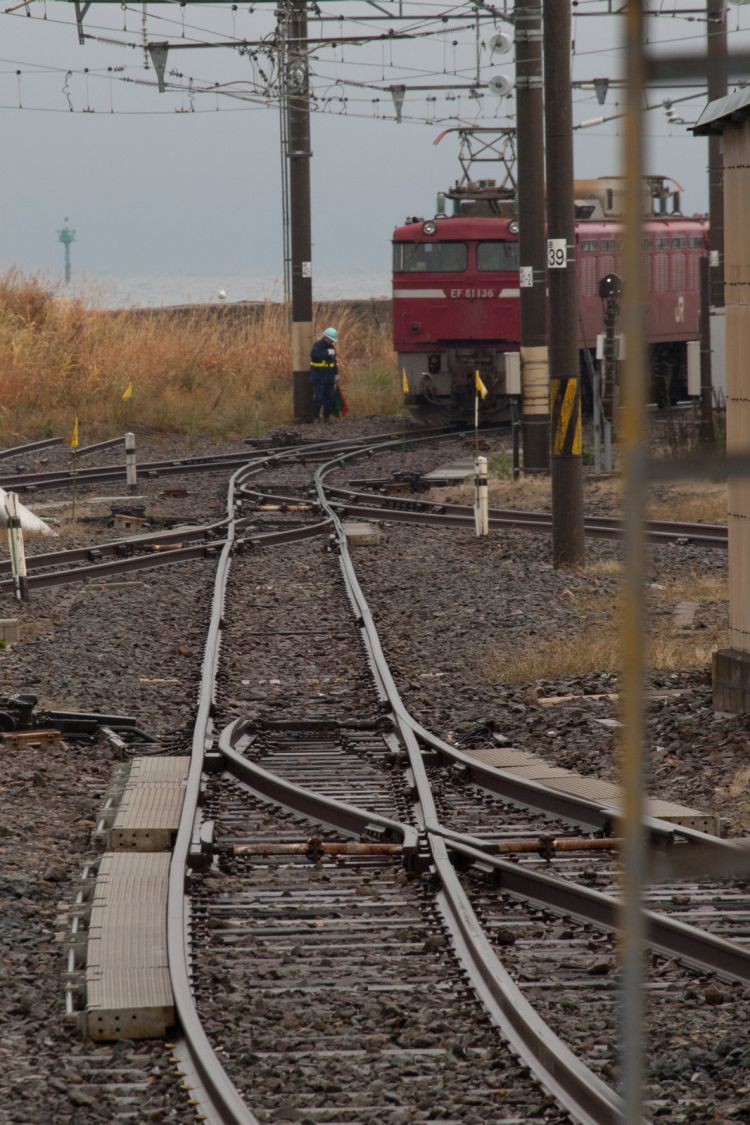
x=332, y=334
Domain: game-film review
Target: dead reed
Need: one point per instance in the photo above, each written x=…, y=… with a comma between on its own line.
x=192, y=372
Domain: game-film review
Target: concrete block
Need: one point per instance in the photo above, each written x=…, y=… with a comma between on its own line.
x=128, y=523
x=9, y=631
x=683, y=616
x=731, y=681
x=363, y=534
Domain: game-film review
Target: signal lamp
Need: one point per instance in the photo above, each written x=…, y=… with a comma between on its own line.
x=610, y=286
x=429, y=227
x=513, y=226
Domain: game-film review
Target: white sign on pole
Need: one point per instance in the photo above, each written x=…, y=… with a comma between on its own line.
x=526, y=277
x=557, y=253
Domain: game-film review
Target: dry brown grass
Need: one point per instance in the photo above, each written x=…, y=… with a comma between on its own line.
x=62, y=358
x=693, y=586
x=698, y=503
x=592, y=643
x=595, y=648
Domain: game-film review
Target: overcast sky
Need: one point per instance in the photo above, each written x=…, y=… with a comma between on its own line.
x=152, y=187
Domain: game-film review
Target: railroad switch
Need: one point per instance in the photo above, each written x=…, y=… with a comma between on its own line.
x=19, y=712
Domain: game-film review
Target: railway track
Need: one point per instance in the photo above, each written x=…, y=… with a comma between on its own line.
x=286, y=916
x=255, y=505
x=318, y=981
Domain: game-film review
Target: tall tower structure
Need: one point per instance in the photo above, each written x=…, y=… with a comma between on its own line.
x=66, y=236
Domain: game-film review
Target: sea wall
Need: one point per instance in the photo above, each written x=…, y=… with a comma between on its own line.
x=376, y=310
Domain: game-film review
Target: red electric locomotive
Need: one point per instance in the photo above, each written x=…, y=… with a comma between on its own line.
x=456, y=297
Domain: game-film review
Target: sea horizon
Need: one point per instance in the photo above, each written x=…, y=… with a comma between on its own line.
x=165, y=290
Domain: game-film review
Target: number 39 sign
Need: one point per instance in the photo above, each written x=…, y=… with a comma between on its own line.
x=557, y=253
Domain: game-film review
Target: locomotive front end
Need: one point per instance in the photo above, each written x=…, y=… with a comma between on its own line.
x=455, y=312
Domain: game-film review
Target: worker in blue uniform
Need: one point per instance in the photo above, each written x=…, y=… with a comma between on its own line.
x=324, y=373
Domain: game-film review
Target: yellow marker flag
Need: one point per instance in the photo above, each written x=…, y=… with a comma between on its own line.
x=128, y=392
x=404, y=381
x=479, y=386
x=74, y=435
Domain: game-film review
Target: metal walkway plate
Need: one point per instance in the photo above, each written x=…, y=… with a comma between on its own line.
x=128, y=990
x=454, y=472
x=149, y=811
x=523, y=764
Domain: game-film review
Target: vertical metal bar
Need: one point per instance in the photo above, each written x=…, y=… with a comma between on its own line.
x=707, y=416
x=568, y=545
x=282, y=31
x=716, y=50
x=298, y=84
x=633, y=450
x=596, y=387
x=530, y=179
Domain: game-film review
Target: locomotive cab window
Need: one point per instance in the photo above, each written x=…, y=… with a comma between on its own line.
x=497, y=256
x=429, y=257
x=696, y=242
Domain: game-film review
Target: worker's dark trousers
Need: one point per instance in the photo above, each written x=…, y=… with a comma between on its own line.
x=323, y=383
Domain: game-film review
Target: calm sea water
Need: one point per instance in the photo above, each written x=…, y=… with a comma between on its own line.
x=154, y=290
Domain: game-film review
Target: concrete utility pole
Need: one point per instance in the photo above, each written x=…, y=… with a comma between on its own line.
x=565, y=382
x=66, y=236
x=298, y=131
x=532, y=257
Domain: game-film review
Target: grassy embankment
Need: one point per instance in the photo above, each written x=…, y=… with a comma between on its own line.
x=194, y=373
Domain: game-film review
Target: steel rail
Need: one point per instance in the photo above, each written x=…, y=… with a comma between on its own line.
x=571, y=1082
x=214, y=1087
x=442, y=514
x=724, y=855
x=114, y=547
x=29, y=447
x=226, y=1106
x=697, y=948
x=137, y=563
x=524, y=791
x=552, y=1062
x=352, y=819
x=214, y=463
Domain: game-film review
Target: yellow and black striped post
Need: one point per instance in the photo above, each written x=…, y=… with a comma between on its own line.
x=565, y=400
x=568, y=548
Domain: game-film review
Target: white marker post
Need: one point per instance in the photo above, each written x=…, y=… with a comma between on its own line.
x=15, y=544
x=131, y=471
x=481, y=510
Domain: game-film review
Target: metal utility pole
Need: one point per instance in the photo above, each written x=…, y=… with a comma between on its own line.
x=532, y=258
x=716, y=50
x=66, y=236
x=298, y=134
x=565, y=380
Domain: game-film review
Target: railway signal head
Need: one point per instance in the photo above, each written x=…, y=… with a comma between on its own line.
x=610, y=287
